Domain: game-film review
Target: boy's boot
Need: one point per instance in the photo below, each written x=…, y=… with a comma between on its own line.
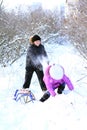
x=45, y=97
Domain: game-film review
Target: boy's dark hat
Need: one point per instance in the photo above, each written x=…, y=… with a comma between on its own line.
x=34, y=38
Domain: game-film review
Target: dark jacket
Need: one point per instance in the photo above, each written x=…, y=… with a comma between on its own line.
x=35, y=55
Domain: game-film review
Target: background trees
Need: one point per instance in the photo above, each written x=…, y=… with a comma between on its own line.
x=17, y=27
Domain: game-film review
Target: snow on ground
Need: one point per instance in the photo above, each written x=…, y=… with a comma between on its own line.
x=64, y=112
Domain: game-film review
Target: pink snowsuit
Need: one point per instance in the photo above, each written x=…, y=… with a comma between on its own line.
x=52, y=84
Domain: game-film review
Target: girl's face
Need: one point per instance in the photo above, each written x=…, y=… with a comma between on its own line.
x=37, y=43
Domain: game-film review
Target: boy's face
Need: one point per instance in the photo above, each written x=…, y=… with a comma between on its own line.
x=37, y=43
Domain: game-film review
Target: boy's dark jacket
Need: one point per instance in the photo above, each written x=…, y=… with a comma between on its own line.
x=34, y=56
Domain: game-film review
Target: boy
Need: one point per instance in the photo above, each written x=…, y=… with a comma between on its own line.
x=35, y=55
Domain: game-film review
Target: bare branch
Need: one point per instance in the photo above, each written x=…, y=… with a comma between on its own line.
x=1, y=2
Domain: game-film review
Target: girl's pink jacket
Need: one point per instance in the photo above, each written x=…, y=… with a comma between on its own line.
x=52, y=84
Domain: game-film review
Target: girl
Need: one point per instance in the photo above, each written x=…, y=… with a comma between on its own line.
x=55, y=78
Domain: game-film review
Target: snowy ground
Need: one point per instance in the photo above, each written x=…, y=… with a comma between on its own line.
x=63, y=112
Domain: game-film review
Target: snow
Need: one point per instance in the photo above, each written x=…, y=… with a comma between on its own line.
x=64, y=112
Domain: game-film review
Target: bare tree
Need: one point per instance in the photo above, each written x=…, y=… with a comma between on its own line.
x=1, y=2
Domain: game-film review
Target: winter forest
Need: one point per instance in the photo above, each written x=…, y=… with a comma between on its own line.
x=17, y=25
x=63, y=32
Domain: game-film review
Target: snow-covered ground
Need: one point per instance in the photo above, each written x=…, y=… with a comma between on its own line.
x=62, y=112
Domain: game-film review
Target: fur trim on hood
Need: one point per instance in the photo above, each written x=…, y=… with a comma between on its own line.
x=34, y=38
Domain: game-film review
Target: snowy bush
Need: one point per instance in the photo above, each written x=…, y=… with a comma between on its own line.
x=76, y=24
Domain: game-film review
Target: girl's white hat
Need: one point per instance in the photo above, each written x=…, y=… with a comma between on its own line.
x=56, y=72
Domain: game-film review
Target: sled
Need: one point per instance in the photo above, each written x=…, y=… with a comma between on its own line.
x=24, y=96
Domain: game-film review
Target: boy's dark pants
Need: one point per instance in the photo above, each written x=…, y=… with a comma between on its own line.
x=29, y=74
x=47, y=94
